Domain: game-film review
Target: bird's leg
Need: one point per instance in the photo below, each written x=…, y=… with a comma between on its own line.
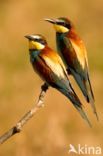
x=68, y=71
x=44, y=88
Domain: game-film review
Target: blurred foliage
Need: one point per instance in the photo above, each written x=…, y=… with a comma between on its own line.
x=56, y=126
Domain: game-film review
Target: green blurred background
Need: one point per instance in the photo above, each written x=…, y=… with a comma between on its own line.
x=58, y=124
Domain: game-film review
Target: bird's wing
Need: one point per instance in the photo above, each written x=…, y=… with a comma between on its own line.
x=55, y=64
x=81, y=72
x=59, y=80
x=79, y=49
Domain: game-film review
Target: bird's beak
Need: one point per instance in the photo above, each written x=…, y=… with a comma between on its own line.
x=50, y=20
x=28, y=37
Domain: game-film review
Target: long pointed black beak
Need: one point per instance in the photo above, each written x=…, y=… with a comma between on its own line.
x=50, y=20
x=29, y=37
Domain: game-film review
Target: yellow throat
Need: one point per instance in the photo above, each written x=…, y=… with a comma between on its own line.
x=35, y=45
x=60, y=28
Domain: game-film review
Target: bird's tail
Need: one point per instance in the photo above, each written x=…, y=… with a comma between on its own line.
x=86, y=89
x=76, y=103
x=91, y=96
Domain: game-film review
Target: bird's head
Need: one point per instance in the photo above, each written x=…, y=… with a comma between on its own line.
x=36, y=42
x=61, y=25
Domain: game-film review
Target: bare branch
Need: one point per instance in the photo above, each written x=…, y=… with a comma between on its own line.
x=18, y=127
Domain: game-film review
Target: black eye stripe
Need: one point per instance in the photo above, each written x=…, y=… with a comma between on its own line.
x=61, y=23
x=40, y=40
x=36, y=39
x=64, y=24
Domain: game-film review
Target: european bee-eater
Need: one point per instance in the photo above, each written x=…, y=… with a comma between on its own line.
x=73, y=52
x=48, y=64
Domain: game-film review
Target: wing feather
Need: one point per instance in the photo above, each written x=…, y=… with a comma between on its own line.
x=60, y=81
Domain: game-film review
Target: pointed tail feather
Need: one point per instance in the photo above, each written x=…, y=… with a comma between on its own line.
x=77, y=104
x=83, y=114
x=91, y=96
x=94, y=108
x=86, y=89
x=71, y=95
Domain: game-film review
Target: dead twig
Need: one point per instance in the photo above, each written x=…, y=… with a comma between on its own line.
x=18, y=127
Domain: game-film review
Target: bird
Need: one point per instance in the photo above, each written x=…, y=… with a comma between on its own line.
x=49, y=66
x=73, y=52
